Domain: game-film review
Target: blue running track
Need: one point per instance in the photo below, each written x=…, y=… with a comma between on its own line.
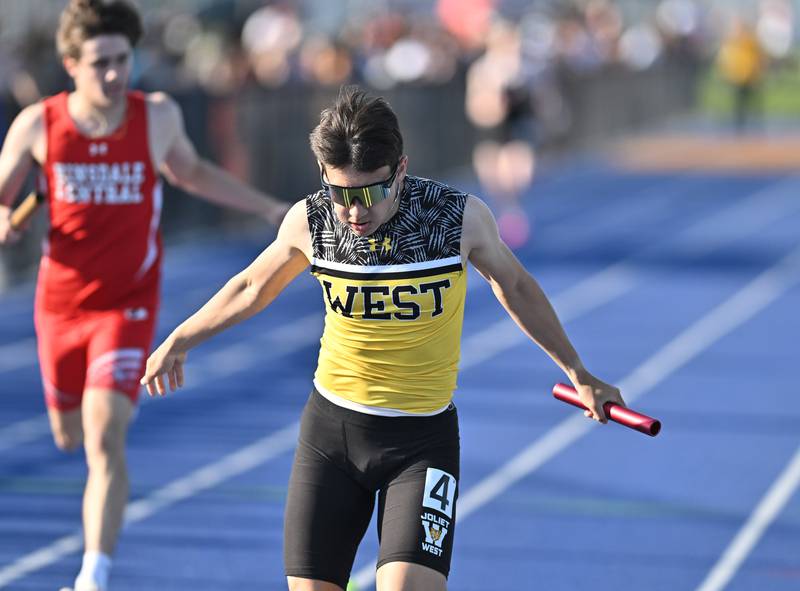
x=684, y=290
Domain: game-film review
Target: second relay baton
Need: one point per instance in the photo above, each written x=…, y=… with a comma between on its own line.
x=25, y=210
x=619, y=414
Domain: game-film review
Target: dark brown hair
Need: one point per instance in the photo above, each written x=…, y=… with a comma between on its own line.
x=86, y=19
x=357, y=130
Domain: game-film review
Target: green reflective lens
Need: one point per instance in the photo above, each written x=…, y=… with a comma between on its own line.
x=368, y=196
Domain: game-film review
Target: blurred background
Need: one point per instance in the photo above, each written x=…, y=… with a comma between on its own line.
x=498, y=87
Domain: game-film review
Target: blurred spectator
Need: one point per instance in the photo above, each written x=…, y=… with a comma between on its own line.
x=499, y=102
x=325, y=62
x=269, y=37
x=467, y=20
x=741, y=63
x=775, y=28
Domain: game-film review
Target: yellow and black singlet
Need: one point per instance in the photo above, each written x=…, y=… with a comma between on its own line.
x=394, y=303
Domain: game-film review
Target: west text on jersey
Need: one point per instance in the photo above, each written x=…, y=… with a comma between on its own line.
x=383, y=302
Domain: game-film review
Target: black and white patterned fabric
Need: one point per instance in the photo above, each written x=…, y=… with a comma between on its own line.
x=426, y=227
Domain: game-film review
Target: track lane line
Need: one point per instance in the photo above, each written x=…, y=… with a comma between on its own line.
x=724, y=318
x=24, y=354
x=604, y=288
x=618, y=272
x=767, y=510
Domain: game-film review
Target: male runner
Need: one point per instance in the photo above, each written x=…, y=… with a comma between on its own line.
x=389, y=251
x=100, y=149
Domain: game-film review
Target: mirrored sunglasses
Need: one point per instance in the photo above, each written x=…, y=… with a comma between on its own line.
x=368, y=195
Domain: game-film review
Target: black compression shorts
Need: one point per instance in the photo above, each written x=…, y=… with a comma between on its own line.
x=343, y=459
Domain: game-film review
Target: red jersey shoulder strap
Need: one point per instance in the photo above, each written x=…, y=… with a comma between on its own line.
x=57, y=121
x=135, y=126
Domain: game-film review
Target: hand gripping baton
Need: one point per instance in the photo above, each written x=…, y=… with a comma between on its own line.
x=619, y=414
x=25, y=210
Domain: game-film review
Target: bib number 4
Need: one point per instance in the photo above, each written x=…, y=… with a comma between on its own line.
x=440, y=491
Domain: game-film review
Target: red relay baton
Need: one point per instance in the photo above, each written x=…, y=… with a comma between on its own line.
x=619, y=414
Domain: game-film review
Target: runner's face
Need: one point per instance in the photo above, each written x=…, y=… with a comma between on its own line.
x=101, y=73
x=362, y=220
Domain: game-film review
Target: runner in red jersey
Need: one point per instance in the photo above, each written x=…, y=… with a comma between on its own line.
x=101, y=149
x=96, y=303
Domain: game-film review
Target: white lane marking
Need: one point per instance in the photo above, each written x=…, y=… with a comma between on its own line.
x=723, y=228
x=40, y=558
x=737, y=309
x=637, y=208
x=748, y=536
x=17, y=355
x=23, y=354
x=24, y=431
x=603, y=288
x=273, y=344
x=745, y=216
x=504, y=334
x=368, y=573
x=618, y=278
x=183, y=488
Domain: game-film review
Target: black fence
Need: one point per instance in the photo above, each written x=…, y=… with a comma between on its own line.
x=262, y=134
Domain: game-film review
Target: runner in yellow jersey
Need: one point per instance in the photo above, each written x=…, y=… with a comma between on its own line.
x=390, y=253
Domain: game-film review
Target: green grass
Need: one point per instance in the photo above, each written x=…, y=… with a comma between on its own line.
x=780, y=92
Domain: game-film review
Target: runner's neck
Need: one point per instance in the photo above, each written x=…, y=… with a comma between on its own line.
x=93, y=121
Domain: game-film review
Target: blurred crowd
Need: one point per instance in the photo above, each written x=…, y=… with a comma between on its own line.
x=223, y=45
x=515, y=59
x=502, y=80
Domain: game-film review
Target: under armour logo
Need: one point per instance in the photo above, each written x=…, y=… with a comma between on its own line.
x=385, y=246
x=136, y=314
x=98, y=149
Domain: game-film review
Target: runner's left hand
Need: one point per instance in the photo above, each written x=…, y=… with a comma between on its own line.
x=165, y=360
x=594, y=393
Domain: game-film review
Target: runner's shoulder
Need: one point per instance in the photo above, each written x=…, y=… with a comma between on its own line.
x=30, y=120
x=163, y=108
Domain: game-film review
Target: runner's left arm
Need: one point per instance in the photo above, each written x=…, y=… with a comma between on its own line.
x=184, y=167
x=526, y=303
x=16, y=161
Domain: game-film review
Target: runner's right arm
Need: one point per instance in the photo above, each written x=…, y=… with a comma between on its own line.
x=244, y=295
x=16, y=161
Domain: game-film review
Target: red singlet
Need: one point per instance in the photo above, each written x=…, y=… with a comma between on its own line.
x=97, y=293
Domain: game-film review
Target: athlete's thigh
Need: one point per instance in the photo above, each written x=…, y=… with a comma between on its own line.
x=106, y=416
x=327, y=511
x=117, y=351
x=61, y=341
x=417, y=509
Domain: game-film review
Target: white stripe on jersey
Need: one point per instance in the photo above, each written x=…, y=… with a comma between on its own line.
x=152, y=243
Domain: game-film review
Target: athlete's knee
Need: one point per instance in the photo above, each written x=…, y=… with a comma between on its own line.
x=67, y=441
x=300, y=584
x=66, y=428
x=105, y=424
x=104, y=443
x=406, y=576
